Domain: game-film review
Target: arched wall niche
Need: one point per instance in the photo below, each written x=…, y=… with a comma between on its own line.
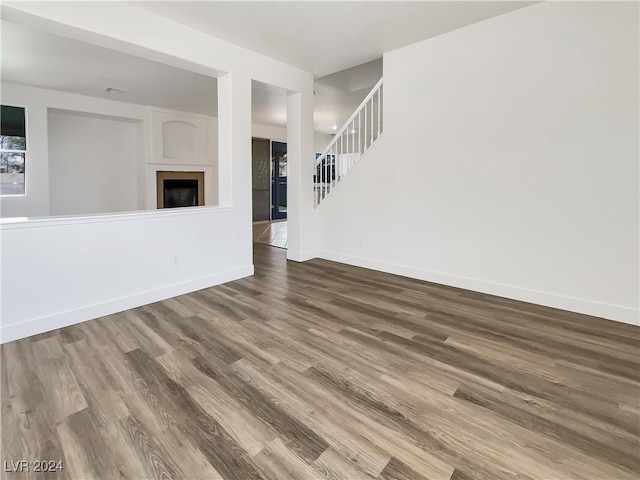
x=179, y=139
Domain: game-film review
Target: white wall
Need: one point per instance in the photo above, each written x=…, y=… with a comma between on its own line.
x=57, y=272
x=93, y=164
x=38, y=102
x=509, y=162
x=320, y=141
x=271, y=132
x=92, y=140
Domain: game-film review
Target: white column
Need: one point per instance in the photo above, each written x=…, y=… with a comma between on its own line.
x=301, y=216
x=234, y=155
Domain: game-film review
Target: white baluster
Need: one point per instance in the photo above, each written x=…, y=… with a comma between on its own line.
x=347, y=132
x=337, y=158
x=327, y=167
x=337, y=161
x=327, y=178
x=320, y=189
x=359, y=134
x=365, y=127
x=379, y=105
x=342, y=147
x=371, y=121
x=353, y=144
x=349, y=146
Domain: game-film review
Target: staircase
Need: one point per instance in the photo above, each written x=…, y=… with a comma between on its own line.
x=351, y=142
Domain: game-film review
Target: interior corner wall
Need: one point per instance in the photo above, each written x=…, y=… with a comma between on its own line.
x=93, y=164
x=508, y=163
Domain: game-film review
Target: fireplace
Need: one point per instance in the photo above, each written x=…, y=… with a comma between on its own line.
x=180, y=189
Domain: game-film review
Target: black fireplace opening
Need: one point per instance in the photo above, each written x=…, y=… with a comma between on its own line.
x=180, y=193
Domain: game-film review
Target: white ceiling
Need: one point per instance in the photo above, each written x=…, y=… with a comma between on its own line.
x=329, y=37
x=39, y=59
x=324, y=37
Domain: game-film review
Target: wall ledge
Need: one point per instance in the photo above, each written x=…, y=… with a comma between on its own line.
x=30, y=222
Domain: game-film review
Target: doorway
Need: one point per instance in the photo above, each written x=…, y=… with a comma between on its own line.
x=269, y=179
x=269, y=190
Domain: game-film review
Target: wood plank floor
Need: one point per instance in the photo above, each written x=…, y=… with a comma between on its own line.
x=321, y=370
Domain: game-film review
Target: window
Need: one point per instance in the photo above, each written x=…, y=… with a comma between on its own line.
x=13, y=150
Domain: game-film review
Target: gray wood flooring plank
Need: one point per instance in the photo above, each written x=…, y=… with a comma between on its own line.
x=211, y=438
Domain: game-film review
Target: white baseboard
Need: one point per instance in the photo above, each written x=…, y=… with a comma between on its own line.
x=301, y=256
x=611, y=312
x=35, y=326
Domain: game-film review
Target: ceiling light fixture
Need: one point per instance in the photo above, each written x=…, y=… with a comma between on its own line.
x=335, y=128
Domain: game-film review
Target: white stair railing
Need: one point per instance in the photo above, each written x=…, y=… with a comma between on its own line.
x=357, y=135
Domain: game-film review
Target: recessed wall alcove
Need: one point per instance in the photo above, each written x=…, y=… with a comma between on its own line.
x=179, y=139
